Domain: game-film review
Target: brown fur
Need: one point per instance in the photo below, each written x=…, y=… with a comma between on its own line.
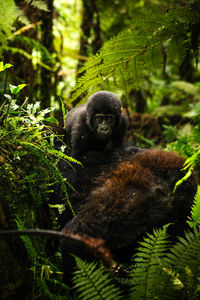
x=135, y=198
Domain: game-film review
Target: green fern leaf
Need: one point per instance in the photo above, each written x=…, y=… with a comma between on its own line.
x=195, y=210
x=27, y=242
x=135, y=52
x=9, y=13
x=186, y=253
x=39, y=4
x=183, y=265
x=91, y=282
x=148, y=264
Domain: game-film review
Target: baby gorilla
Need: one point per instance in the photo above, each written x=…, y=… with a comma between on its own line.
x=96, y=127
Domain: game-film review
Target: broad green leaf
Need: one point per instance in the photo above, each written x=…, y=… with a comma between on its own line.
x=3, y=67
x=16, y=89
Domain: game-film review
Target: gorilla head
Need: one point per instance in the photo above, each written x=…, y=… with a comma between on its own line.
x=98, y=125
x=103, y=114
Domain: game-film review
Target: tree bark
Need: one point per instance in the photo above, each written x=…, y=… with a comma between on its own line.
x=47, y=41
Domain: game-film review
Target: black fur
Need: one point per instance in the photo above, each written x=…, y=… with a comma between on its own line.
x=81, y=131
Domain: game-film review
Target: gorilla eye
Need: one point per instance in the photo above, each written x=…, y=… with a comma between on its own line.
x=109, y=119
x=99, y=118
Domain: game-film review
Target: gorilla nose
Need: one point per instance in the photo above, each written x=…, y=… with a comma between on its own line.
x=105, y=128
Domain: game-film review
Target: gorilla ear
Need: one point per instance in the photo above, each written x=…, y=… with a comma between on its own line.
x=90, y=120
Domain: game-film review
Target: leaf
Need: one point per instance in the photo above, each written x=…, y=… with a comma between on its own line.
x=51, y=120
x=136, y=52
x=184, y=260
x=195, y=210
x=92, y=282
x=3, y=67
x=63, y=109
x=16, y=89
x=146, y=284
x=39, y=4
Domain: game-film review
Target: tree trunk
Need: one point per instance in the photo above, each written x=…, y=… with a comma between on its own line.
x=39, y=79
x=91, y=40
x=47, y=41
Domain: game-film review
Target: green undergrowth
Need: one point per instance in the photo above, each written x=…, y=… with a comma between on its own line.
x=30, y=185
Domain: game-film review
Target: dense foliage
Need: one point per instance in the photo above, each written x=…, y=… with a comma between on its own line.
x=29, y=176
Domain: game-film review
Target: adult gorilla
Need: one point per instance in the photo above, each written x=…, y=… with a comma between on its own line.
x=136, y=197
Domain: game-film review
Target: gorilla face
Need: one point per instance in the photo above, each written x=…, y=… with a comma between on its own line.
x=99, y=125
x=104, y=125
x=106, y=105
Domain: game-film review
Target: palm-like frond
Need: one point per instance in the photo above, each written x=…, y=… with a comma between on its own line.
x=92, y=282
x=132, y=53
x=195, y=210
x=147, y=267
x=39, y=4
x=184, y=260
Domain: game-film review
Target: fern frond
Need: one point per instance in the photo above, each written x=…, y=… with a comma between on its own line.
x=195, y=213
x=9, y=13
x=135, y=52
x=27, y=242
x=39, y=4
x=189, y=165
x=57, y=175
x=92, y=282
x=186, y=253
x=183, y=262
x=148, y=264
